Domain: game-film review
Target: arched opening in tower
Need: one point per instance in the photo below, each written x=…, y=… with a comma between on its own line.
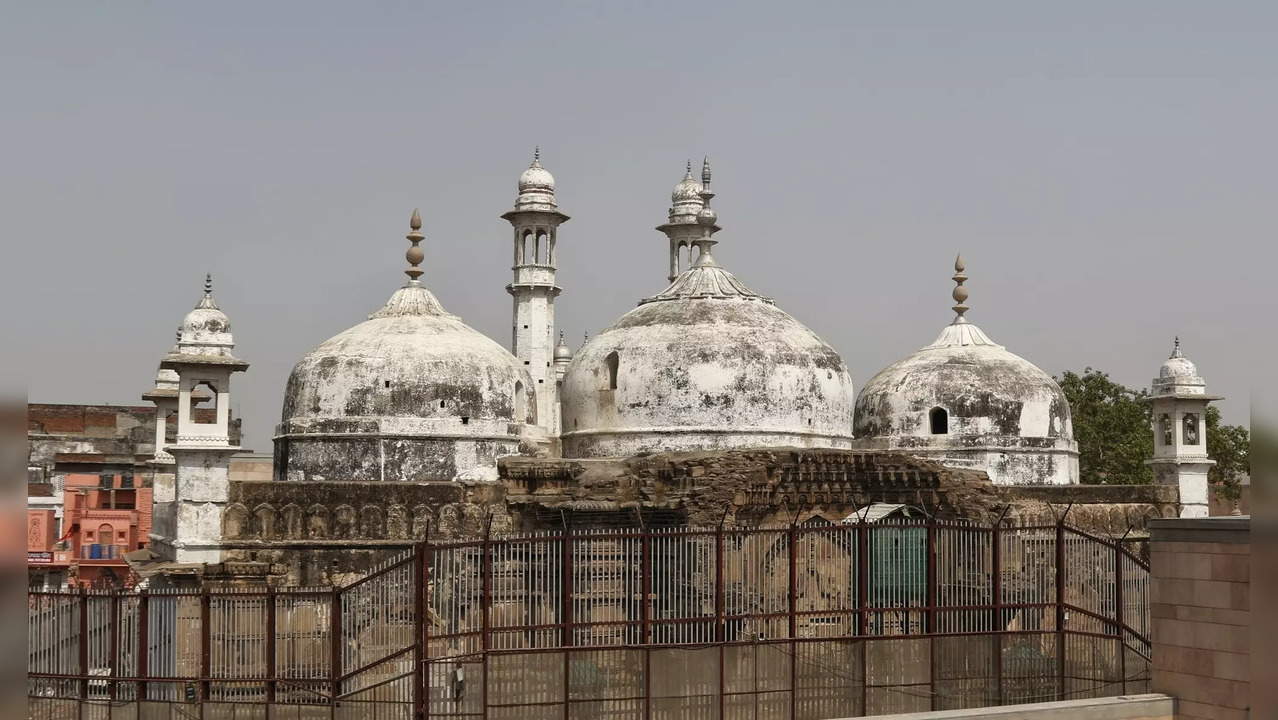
x=613, y=360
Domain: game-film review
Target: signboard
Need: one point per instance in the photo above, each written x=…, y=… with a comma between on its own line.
x=39, y=558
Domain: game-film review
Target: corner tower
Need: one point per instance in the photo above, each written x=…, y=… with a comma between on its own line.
x=1178, y=399
x=536, y=220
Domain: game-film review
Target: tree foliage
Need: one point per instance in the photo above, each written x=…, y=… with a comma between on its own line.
x=1112, y=428
x=1115, y=436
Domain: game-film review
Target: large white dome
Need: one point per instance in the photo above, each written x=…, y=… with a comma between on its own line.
x=706, y=364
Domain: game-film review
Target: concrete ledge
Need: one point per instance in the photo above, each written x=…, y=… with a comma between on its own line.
x=1128, y=707
x=1231, y=530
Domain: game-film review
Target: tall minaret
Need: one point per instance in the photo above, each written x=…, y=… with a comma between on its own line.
x=536, y=219
x=682, y=228
x=1179, y=399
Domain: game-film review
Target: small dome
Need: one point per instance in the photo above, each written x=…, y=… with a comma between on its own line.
x=688, y=190
x=562, y=352
x=206, y=330
x=1177, y=366
x=536, y=178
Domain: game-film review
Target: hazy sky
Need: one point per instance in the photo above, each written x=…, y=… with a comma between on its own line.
x=1106, y=169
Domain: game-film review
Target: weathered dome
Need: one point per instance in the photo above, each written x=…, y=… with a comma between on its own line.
x=983, y=388
x=206, y=329
x=411, y=360
x=705, y=364
x=970, y=402
x=1177, y=366
x=687, y=191
x=412, y=393
x=536, y=188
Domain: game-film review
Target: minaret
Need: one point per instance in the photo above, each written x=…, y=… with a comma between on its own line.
x=1178, y=399
x=190, y=531
x=536, y=220
x=562, y=357
x=682, y=229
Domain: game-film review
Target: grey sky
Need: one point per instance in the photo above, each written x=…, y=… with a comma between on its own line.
x=1105, y=168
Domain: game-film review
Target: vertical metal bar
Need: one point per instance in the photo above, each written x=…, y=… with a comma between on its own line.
x=144, y=615
x=932, y=598
x=335, y=647
x=720, y=631
x=83, y=642
x=567, y=615
x=206, y=645
x=1118, y=614
x=113, y=647
x=998, y=627
x=1060, y=607
x=272, y=601
x=863, y=575
x=485, y=599
x=419, y=630
x=645, y=615
x=794, y=619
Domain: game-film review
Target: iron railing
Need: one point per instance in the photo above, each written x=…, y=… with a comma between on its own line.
x=776, y=622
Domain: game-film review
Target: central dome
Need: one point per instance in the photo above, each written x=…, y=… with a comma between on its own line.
x=412, y=393
x=704, y=365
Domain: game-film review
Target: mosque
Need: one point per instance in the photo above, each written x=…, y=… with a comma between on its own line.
x=435, y=415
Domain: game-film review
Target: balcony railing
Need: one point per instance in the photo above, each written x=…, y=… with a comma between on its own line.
x=99, y=551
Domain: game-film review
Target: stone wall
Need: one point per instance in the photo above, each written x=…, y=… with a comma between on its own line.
x=1200, y=602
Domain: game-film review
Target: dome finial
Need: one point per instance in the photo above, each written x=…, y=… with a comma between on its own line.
x=208, y=284
x=688, y=175
x=1176, y=353
x=536, y=156
x=960, y=292
x=706, y=218
x=705, y=172
x=414, y=254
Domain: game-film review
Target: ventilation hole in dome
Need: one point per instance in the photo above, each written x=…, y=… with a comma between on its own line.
x=465, y=420
x=388, y=383
x=441, y=403
x=613, y=360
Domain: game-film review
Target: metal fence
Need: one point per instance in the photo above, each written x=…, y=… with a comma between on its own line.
x=806, y=621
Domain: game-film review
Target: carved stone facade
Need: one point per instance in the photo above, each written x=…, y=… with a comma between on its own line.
x=324, y=533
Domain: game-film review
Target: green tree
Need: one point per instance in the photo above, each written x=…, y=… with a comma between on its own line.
x=1112, y=428
x=1230, y=447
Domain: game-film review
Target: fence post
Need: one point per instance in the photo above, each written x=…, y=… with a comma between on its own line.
x=1060, y=607
x=997, y=626
x=485, y=618
x=335, y=646
x=421, y=698
x=720, y=631
x=206, y=645
x=567, y=615
x=645, y=612
x=794, y=619
x=1119, y=614
x=83, y=642
x=271, y=666
x=114, y=646
x=931, y=599
x=144, y=622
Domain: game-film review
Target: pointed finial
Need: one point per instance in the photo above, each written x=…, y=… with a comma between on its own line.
x=960, y=292
x=585, y=336
x=536, y=156
x=561, y=337
x=688, y=175
x=1176, y=348
x=178, y=337
x=414, y=254
x=208, y=284
x=705, y=172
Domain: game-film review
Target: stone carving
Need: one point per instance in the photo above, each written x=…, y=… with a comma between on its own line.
x=371, y=526
x=235, y=521
x=264, y=522
x=396, y=522
x=422, y=520
x=317, y=522
x=345, y=523
x=292, y=518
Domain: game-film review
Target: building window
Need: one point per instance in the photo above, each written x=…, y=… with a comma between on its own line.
x=940, y=420
x=613, y=360
x=1165, y=429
